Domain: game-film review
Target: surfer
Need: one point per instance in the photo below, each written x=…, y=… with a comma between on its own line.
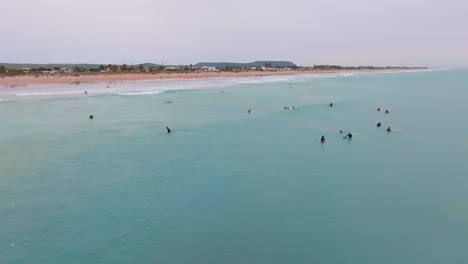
x=85, y=92
x=322, y=139
x=249, y=111
x=387, y=112
x=293, y=107
x=341, y=131
x=379, y=124
x=378, y=109
x=331, y=104
x=349, y=135
x=389, y=129
x=91, y=117
x=168, y=130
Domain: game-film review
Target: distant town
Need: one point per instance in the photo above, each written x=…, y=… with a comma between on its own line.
x=149, y=68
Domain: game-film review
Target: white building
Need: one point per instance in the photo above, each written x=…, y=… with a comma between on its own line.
x=209, y=69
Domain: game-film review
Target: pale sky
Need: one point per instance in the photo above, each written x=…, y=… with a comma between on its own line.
x=360, y=32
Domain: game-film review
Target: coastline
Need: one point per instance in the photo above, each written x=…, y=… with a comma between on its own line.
x=95, y=78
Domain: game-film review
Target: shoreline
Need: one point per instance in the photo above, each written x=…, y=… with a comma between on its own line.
x=97, y=78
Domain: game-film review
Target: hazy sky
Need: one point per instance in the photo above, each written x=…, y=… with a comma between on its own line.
x=358, y=32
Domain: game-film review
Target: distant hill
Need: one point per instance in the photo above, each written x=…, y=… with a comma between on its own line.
x=148, y=64
x=250, y=64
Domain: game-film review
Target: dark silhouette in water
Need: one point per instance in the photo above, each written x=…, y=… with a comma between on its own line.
x=379, y=124
x=389, y=129
x=331, y=104
x=378, y=109
x=168, y=130
x=349, y=135
x=341, y=131
x=249, y=111
x=289, y=107
x=91, y=117
x=85, y=92
x=168, y=102
x=387, y=112
x=322, y=139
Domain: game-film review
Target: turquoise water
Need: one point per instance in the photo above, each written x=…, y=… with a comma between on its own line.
x=229, y=187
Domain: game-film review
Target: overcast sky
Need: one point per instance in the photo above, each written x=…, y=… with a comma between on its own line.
x=359, y=32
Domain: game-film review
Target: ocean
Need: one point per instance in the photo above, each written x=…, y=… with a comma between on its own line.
x=231, y=187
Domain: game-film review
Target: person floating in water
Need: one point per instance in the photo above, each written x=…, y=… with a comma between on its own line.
x=249, y=111
x=379, y=124
x=387, y=112
x=349, y=136
x=341, y=131
x=168, y=130
x=293, y=107
x=85, y=92
x=91, y=117
x=331, y=104
x=168, y=102
x=378, y=109
x=389, y=129
x=322, y=139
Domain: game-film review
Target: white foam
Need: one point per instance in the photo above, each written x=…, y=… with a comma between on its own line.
x=151, y=87
x=425, y=70
x=141, y=93
x=49, y=93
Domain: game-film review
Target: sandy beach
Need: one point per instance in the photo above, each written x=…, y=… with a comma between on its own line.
x=86, y=78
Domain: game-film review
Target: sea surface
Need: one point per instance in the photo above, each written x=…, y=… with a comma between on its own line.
x=231, y=187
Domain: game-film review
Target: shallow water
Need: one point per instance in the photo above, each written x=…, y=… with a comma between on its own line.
x=229, y=187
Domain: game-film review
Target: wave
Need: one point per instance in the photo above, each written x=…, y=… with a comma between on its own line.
x=49, y=93
x=152, y=87
x=141, y=93
x=426, y=70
